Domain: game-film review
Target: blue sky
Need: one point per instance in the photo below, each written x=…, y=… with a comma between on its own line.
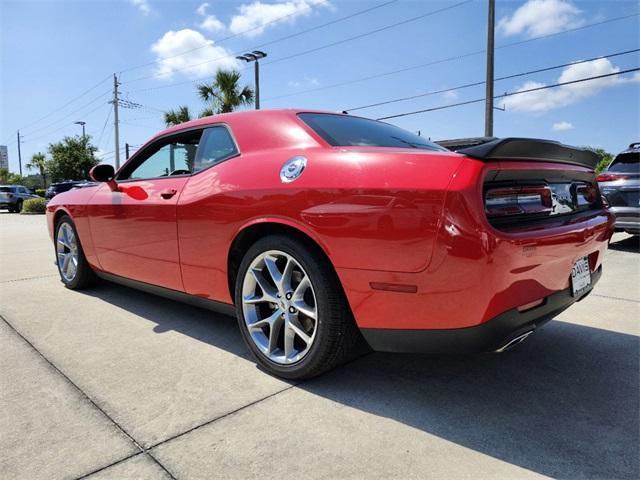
x=51, y=52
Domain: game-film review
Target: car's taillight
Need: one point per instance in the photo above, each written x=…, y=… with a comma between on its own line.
x=610, y=177
x=500, y=202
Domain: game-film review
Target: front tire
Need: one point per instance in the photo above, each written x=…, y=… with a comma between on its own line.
x=73, y=267
x=291, y=310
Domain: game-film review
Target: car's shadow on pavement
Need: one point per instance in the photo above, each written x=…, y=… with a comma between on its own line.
x=563, y=404
x=629, y=244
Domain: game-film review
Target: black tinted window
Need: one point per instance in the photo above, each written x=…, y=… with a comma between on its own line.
x=626, y=163
x=216, y=145
x=8, y=189
x=344, y=130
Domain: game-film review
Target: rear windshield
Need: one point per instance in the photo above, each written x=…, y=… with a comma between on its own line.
x=8, y=189
x=626, y=163
x=345, y=131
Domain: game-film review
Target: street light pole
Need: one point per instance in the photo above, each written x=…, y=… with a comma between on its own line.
x=488, y=109
x=255, y=56
x=83, y=124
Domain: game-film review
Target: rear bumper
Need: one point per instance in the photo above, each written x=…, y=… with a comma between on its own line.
x=486, y=337
x=627, y=218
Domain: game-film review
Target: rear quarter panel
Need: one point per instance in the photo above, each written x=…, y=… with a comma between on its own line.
x=376, y=209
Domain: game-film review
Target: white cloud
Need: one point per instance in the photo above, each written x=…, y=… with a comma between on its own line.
x=450, y=95
x=544, y=100
x=253, y=17
x=142, y=5
x=304, y=82
x=541, y=17
x=562, y=126
x=204, y=61
x=202, y=9
x=209, y=22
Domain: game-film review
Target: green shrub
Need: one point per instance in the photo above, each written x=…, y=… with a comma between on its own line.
x=40, y=191
x=34, y=205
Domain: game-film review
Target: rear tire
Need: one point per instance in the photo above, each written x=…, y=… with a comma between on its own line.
x=73, y=267
x=282, y=284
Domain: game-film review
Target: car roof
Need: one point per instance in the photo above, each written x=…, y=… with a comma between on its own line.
x=263, y=115
x=633, y=148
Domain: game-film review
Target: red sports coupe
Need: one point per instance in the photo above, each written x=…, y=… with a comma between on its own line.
x=318, y=229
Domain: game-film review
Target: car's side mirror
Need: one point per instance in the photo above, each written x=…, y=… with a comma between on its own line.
x=104, y=173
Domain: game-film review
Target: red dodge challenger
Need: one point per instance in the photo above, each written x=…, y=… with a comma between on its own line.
x=318, y=229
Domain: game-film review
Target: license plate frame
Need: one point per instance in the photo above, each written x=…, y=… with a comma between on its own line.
x=580, y=277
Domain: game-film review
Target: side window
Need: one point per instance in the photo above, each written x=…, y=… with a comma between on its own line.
x=173, y=156
x=22, y=190
x=216, y=145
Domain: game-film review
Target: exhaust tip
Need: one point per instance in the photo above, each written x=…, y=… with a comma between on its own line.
x=514, y=341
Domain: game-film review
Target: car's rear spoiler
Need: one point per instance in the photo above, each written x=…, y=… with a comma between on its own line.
x=532, y=149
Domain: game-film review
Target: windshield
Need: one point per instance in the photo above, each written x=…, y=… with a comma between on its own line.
x=344, y=130
x=626, y=163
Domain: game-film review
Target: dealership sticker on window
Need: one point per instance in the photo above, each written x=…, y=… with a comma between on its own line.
x=580, y=277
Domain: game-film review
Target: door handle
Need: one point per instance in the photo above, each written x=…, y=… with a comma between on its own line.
x=168, y=193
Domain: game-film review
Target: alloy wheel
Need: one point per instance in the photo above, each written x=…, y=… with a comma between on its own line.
x=279, y=307
x=67, y=252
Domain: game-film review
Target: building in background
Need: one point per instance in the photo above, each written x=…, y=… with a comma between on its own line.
x=4, y=157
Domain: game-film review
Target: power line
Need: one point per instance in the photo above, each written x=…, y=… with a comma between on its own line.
x=62, y=127
x=258, y=27
x=277, y=40
x=447, y=59
x=482, y=82
x=520, y=92
x=104, y=127
x=55, y=122
x=66, y=104
x=371, y=32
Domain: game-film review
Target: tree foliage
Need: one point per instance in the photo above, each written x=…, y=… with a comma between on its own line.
x=8, y=178
x=39, y=162
x=178, y=116
x=224, y=94
x=605, y=158
x=72, y=158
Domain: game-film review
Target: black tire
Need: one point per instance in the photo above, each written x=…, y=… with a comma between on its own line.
x=18, y=208
x=84, y=276
x=337, y=336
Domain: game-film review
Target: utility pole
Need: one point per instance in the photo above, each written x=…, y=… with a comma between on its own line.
x=488, y=109
x=19, y=153
x=254, y=57
x=126, y=151
x=116, y=124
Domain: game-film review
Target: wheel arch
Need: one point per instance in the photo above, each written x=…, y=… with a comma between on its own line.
x=60, y=212
x=252, y=232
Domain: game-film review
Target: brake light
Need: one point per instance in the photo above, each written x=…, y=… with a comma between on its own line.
x=610, y=177
x=501, y=202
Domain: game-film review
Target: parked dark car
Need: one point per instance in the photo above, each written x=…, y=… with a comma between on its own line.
x=620, y=185
x=56, y=188
x=13, y=196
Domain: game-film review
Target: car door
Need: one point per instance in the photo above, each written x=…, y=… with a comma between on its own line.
x=133, y=226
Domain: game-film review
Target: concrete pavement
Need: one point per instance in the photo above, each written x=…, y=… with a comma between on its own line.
x=114, y=383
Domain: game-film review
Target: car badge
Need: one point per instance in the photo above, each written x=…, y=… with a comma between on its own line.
x=292, y=169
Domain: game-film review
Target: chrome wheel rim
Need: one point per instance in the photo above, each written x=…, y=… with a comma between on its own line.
x=67, y=251
x=279, y=307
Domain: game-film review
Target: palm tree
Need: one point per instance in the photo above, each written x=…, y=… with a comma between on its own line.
x=176, y=117
x=40, y=162
x=224, y=94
